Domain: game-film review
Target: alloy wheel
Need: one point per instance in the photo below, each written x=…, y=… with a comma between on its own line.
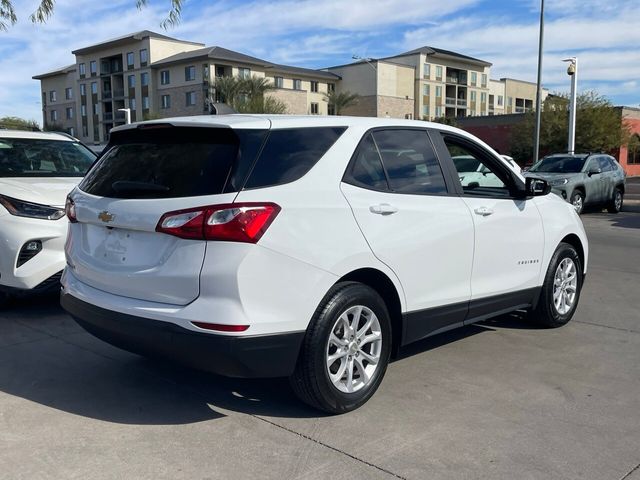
x=565, y=285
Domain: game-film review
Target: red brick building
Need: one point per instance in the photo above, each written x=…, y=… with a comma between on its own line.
x=496, y=131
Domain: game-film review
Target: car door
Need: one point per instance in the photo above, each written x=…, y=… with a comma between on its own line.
x=607, y=177
x=404, y=208
x=593, y=182
x=509, y=237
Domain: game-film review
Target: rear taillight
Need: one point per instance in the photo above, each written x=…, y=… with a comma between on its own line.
x=233, y=222
x=218, y=327
x=70, y=210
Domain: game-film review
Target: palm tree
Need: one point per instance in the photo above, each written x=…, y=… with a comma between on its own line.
x=341, y=100
x=246, y=95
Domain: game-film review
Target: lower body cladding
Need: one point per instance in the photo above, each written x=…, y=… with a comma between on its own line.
x=234, y=356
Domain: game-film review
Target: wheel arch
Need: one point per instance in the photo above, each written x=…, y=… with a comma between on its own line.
x=573, y=240
x=384, y=286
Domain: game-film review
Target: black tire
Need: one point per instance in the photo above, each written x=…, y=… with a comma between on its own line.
x=615, y=205
x=310, y=380
x=546, y=313
x=4, y=299
x=577, y=200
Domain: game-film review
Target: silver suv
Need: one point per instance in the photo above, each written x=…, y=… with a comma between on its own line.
x=583, y=179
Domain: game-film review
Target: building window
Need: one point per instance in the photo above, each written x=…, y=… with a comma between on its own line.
x=484, y=80
x=54, y=115
x=244, y=73
x=425, y=110
x=439, y=73
x=82, y=70
x=83, y=89
x=144, y=57
x=68, y=93
x=132, y=103
x=53, y=96
x=131, y=81
x=331, y=87
x=130, y=58
x=189, y=73
x=145, y=103
x=438, y=112
x=165, y=101
x=474, y=79
x=473, y=95
x=83, y=111
x=314, y=86
x=438, y=91
x=483, y=97
x=96, y=133
x=93, y=68
x=94, y=88
x=633, y=152
x=69, y=111
x=96, y=109
x=190, y=99
x=85, y=131
x=500, y=100
x=297, y=84
x=426, y=89
x=144, y=79
x=331, y=109
x=314, y=108
x=427, y=71
x=278, y=82
x=165, y=77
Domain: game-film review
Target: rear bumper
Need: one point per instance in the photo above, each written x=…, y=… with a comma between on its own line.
x=233, y=356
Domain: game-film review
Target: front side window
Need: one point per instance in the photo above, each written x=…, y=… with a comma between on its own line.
x=21, y=157
x=605, y=164
x=189, y=73
x=477, y=171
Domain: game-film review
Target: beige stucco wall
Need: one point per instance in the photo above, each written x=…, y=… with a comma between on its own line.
x=179, y=106
x=367, y=106
x=60, y=83
x=295, y=100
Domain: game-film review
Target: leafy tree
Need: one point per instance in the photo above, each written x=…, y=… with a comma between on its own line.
x=599, y=127
x=246, y=95
x=341, y=100
x=150, y=116
x=16, y=123
x=446, y=121
x=45, y=10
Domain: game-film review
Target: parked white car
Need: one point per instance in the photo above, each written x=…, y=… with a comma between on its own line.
x=308, y=247
x=37, y=171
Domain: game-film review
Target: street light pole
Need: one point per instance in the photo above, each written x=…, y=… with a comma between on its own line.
x=536, y=138
x=368, y=60
x=127, y=113
x=572, y=71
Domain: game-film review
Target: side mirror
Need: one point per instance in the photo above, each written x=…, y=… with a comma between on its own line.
x=536, y=187
x=594, y=171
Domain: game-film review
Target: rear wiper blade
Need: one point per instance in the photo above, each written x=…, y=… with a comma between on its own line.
x=123, y=186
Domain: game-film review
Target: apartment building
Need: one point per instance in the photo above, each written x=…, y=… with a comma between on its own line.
x=157, y=76
x=154, y=75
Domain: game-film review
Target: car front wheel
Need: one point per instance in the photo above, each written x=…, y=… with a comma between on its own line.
x=577, y=200
x=615, y=205
x=345, y=351
x=561, y=288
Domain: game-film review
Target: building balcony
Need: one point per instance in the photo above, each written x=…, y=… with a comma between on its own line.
x=107, y=116
x=106, y=95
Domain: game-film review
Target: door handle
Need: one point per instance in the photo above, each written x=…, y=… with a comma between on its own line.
x=383, y=209
x=484, y=211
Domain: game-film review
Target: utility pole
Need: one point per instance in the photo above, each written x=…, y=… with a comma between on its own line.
x=536, y=138
x=572, y=71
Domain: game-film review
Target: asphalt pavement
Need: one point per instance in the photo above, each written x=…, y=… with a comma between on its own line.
x=499, y=400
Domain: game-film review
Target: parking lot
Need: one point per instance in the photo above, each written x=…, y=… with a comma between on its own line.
x=502, y=399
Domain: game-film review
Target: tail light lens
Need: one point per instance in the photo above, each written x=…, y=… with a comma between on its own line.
x=234, y=222
x=70, y=210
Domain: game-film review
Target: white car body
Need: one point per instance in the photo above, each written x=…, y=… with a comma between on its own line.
x=16, y=231
x=453, y=259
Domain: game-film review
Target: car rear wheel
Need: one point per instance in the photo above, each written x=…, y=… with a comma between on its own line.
x=615, y=205
x=345, y=351
x=561, y=288
x=577, y=200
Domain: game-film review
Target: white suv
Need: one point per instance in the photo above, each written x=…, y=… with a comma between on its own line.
x=309, y=247
x=37, y=171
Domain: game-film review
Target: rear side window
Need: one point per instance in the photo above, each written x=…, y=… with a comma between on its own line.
x=169, y=162
x=410, y=161
x=605, y=164
x=290, y=153
x=366, y=168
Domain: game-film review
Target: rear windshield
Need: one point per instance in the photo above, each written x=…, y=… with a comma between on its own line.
x=163, y=162
x=27, y=157
x=559, y=165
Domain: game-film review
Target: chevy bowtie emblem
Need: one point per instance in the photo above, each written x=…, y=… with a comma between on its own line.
x=105, y=216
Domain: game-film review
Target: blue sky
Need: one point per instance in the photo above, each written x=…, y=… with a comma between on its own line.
x=603, y=34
